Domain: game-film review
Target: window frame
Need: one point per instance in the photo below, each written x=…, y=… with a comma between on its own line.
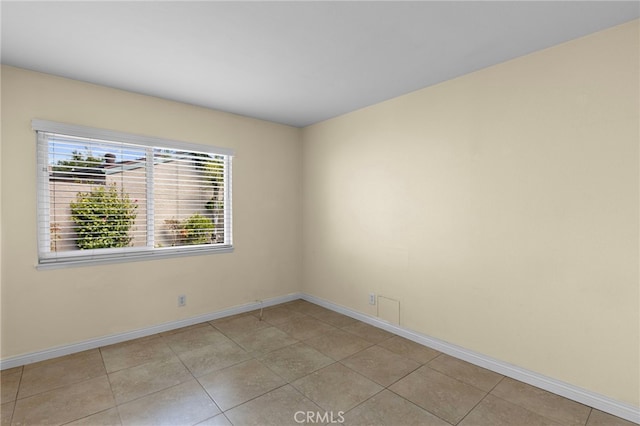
x=123, y=254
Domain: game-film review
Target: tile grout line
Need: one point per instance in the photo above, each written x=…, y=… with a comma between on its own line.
x=193, y=375
x=97, y=412
x=113, y=395
x=361, y=403
x=422, y=408
x=263, y=394
x=384, y=386
x=559, y=423
x=208, y=396
x=461, y=381
x=15, y=401
x=255, y=397
x=589, y=416
x=56, y=388
x=473, y=408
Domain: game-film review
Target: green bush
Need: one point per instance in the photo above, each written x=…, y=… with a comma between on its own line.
x=103, y=218
x=197, y=230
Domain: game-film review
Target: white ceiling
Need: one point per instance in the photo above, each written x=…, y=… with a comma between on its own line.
x=290, y=62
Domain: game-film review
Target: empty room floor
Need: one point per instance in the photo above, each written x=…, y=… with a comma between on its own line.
x=300, y=364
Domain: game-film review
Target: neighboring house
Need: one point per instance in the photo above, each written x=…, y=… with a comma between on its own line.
x=185, y=191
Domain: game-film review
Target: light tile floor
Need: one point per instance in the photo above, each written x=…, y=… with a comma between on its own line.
x=300, y=358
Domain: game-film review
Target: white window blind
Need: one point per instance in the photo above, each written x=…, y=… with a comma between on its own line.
x=105, y=196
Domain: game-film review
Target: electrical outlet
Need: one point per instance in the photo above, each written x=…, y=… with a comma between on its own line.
x=182, y=300
x=372, y=298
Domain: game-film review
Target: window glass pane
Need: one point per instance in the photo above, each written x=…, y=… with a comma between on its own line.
x=188, y=198
x=97, y=195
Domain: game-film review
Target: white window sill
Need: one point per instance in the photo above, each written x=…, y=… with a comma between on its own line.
x=90, y=260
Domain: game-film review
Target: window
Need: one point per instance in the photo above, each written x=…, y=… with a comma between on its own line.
x=105, y=196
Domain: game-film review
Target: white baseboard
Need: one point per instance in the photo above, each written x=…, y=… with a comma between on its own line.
x=29, y=358
x=575, y=393
x=583, y=396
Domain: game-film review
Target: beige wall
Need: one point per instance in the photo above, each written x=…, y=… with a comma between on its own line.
x=500, y=208
x=42, y=309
